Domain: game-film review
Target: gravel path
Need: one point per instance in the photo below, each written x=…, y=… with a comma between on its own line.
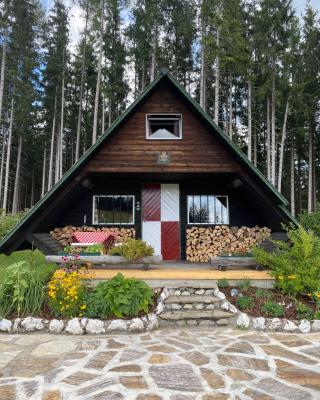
x=166, y=364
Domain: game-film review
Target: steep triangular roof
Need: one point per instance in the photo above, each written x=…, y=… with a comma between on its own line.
x=161, y=76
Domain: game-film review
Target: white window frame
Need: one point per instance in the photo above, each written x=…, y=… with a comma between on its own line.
x=209, y=223
x=113, y=223
x=167, y=116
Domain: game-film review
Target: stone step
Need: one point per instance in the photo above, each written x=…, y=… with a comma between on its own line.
x=193, y=314
x=192, y=299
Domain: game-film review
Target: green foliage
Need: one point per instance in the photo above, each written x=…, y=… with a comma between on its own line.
x=133, y=250
x=120, y=297
x=311, y=221
x=244, y=302
x=244, y=284
x=223, y=283
x=316, y=315
x=22, y=284
x=95, y=248
x=303, y=311
x=263, y=294
x=7, y=222
x=295, y=265
x=272, y=309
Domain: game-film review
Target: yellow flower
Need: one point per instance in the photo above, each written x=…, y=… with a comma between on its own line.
x=83, y=307
x=80, y=315
x=280, y=277
x=292, y=276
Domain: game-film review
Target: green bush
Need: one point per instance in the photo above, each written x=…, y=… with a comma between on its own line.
x=244, y=302
x=303, y=311
x=263, y=294
x=22, y=283
x=223, y=283
x=244, y=284
x=272, y=309
x=7, y=221
x=133, y=250
x=295, y=265
x=96, y=248
x=120, y=297
x=311, y=221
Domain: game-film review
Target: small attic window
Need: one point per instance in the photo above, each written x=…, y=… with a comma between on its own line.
x=164, y=126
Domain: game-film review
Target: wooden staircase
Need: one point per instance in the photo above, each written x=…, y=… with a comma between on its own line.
x=46, y=243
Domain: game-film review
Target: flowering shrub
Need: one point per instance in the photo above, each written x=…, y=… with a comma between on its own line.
x=295, y=265
x=66, y=292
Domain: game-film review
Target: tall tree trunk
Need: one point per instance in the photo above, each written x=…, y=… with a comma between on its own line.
x=268, y=141
x=77, y=152
x=154, y=52
x=50, y=175
x=3, y=64
x=255, y=148
x=17, y=179
x=61, y=128
x=44, y=172
x=203, y=71
x=2, y=162
x=103, y=123
x=217, y=84
x=32, y=190
x=230, y=107
x=109, y=112
x=57, y=160
x=249, y=120
x=96, y=101
x=6, y=179
x=310, y=173
x=283, y=138
x=292, y=180
x=273, y=131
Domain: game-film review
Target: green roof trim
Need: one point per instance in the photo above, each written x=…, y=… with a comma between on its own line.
x=164, y=73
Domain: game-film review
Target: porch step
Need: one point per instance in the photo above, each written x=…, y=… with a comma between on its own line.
x=196, y=315
x=192, y=299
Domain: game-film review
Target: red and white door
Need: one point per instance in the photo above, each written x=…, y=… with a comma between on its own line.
x=161, y=218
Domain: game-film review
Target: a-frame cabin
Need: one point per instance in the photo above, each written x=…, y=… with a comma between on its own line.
x=162, y=166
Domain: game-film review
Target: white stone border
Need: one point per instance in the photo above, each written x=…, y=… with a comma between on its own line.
x=245, y=321
x=83, y=326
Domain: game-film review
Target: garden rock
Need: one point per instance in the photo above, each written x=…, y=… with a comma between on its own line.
x=234, y=292
x=31, y=324
x=95, y=326
x=5, y=325
x=84, y=322
x=160, y=308
x=117, y=325
x=243, y=320
x=16, y=325
x=304, y=326
x=316, y=325
x=74, y=327
x=274, y=324
x=136, y=325
x=259, y=323
x=219, y=294
x=56, y=326
x=290, y=326
x=152, y=322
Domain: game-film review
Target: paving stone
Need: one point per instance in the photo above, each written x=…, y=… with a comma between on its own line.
x=148, y=397
x=178, y=344
x=196, y=357
x=54, y=348
x=181, y=397
x=214, y=380
x=243, y=362
x=30, y=367
x=158, y=359
x=30, y=388
x=145, y=338
x=161, y=348
x=279, y=351
x=107, y=395
x=131, y=355
x=276, y=388
x=300, y=376
x=126, y=368
x=257, y=395
x=239, y=374
x=215, y=396
x=256, y=338
x=241, y=347
x=88, y=345
x=94, y=387
x=52, y=395
x=133, y=382
x=180, y=377
x=101, y=359
x=291, y=340
x=7, y=392
x=314, y=351
x=114, y=344
x=75, y=356
x=79, y=377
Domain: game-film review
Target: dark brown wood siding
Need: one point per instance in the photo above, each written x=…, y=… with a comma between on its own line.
x=129, y=150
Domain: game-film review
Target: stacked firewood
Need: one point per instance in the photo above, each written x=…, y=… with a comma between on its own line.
x=204, y=243
x=64, y=235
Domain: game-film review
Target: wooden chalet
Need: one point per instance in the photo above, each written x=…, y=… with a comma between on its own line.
x=163, y=167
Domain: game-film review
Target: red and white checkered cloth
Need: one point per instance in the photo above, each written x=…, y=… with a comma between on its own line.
x=106, y=238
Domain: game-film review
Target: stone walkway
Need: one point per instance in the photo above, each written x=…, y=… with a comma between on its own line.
x=165, y=364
